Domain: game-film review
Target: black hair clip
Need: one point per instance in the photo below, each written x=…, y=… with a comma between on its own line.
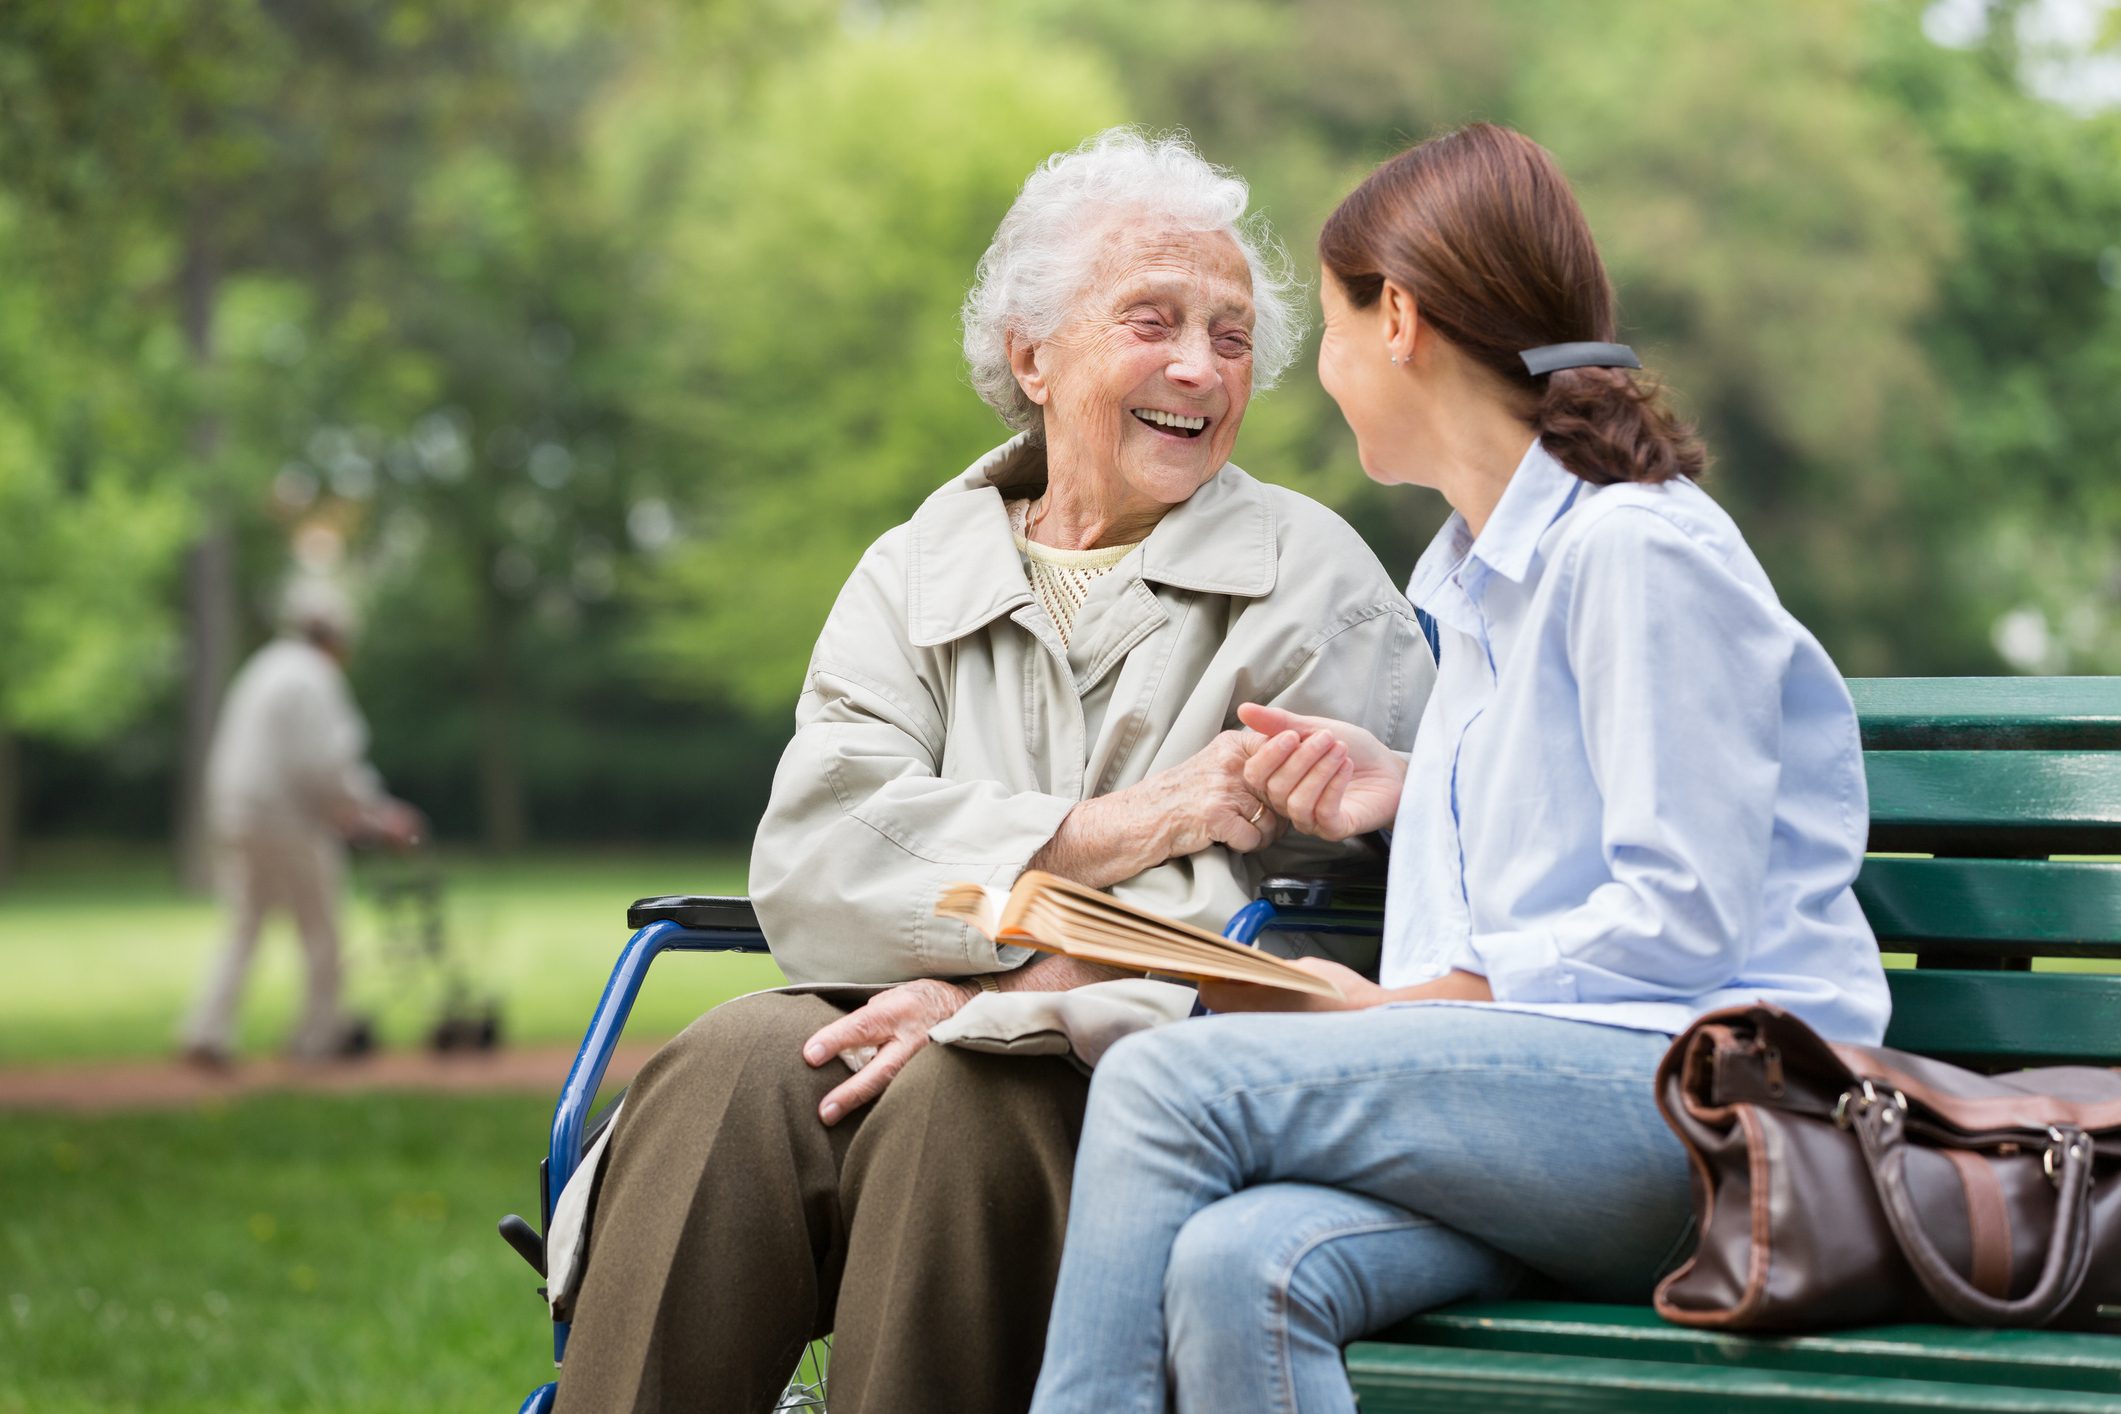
x=1552, y=358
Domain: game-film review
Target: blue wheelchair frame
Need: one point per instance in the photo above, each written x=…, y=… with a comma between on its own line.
x=700, y=924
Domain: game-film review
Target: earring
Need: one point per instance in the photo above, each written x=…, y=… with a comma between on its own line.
x=1395, y=360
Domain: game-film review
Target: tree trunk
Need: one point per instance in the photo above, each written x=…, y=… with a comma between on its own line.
x=10, y=804
x=210, y=603
x=503, y=813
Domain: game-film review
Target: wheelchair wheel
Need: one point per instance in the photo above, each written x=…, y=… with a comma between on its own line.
x=806, y=1387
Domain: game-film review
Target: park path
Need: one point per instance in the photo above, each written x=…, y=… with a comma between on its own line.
x=94, y=1086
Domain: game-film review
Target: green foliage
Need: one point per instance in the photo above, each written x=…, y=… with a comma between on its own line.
x=86, y=532
x=1777, y=242
x=2018, y=468
x=603, y=338
x=806, y=366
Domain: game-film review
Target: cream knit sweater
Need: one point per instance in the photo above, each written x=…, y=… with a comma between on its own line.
x=1062, y=579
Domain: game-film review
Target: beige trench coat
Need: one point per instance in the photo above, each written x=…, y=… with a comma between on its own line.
x=944, y=731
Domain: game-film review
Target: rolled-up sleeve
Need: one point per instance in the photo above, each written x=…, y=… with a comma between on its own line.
x=1684, y=746
x=863, y=832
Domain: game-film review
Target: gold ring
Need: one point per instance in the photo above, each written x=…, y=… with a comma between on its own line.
x=1257, y=813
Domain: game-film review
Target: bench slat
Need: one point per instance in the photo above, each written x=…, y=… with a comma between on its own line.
x=1994, y=906
x=1977, y=714
x=2007, y=1017
x=2018, y=802
x=1422, y=1379
x=2043, y=1359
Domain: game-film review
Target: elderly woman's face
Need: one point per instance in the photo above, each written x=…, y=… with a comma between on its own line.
x=1148, y=379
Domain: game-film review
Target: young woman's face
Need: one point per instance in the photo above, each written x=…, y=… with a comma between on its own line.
x=1356, y=369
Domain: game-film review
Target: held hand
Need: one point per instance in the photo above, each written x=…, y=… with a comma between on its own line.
x=896, y=1023
x=1328, y=778
x=1357, y=992
x=1205, y=801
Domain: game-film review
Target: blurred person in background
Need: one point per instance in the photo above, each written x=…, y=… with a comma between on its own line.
x=288, y=782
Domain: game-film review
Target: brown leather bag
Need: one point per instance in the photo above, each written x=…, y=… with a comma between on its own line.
x=1848, y=1185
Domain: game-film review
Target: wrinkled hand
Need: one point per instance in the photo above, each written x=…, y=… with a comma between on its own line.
x=896, y=1023
x=1204, y=800
x=403, y=825
x=1357, y=992
x=389, y=822
x=1328, y=778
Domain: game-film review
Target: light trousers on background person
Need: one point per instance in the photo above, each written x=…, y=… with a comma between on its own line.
x=299, y=871
x=1253, y=1192
x=731, y=1226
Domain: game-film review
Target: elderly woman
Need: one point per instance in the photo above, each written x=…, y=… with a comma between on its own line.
x=1040, y=669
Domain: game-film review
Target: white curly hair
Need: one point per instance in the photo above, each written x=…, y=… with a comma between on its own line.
x=1043, y=254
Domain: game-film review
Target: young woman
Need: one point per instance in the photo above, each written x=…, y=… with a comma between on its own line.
x=1636, y=795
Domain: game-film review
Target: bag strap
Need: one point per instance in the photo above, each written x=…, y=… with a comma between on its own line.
x=1881, y=1132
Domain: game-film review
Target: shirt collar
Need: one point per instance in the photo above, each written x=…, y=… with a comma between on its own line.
x=964, y=570
x=1540, y=490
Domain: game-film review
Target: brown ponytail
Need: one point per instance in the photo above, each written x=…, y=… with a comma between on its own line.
x=1480, y=226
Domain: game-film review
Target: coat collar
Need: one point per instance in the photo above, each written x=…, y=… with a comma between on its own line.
x=964, y=570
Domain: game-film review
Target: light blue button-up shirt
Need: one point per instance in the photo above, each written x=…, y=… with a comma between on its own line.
x=1637, y=793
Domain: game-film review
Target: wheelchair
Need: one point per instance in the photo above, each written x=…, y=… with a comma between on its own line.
x=696, y=923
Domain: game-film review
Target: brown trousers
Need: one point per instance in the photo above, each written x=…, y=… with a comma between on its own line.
x=732, y=1227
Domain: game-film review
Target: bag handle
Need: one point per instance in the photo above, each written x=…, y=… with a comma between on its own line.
x=1881, y=1132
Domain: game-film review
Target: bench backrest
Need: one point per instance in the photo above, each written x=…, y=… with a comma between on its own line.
x=1992, y=802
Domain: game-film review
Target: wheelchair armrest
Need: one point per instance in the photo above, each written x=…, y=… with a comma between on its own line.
x=1345, y=903
x=1356, y=894
x=666, y=923
x=699, y=912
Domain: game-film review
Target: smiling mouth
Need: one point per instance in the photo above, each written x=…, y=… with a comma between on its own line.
x=1170, y=424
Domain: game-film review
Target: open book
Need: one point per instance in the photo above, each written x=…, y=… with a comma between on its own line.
x=1052, y=914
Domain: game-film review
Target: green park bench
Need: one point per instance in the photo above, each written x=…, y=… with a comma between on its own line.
x=1986, y=794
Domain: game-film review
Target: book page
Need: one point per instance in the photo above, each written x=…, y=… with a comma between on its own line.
x=980, y=905
x=1056, y=915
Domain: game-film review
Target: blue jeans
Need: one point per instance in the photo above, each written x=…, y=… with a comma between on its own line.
x=1253, y=1192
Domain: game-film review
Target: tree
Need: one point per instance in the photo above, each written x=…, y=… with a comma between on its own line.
x=87, y=534
x=304, y=140
x=799, y=325
x=2019, y=503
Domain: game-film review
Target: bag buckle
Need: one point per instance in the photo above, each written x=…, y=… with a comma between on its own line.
x=2066, y=1143
x=1854, y=1102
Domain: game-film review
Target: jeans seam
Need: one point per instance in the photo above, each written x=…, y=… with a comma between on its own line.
x=1285, y=1281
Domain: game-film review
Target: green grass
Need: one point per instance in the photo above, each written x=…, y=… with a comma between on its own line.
x=279, y=1253
x=101, y=952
